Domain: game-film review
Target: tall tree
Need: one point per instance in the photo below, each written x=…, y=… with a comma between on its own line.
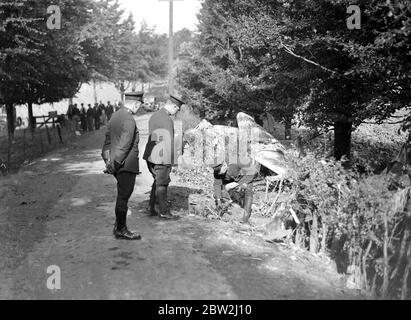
x=39, y=64
x=299, y=56
x=19, y=41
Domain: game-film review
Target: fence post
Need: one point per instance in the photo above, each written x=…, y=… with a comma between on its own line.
x=48, y=134
x=59, y=133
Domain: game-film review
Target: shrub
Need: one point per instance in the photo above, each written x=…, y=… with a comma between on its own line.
x=360, y=218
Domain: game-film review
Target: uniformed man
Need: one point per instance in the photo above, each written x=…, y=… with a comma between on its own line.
x=159, y=154
x=83, y=117
x=90, y=118
x=238, y=182
x=109, y=110
x=97, y=114
x=120, y=152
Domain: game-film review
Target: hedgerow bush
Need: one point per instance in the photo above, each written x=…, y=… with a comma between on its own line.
x=372, y=146
x=360, y=219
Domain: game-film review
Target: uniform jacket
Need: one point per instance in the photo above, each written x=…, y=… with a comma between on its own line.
x=90, y=113
x=160, y=144
x=109, y=109
x=122, y=140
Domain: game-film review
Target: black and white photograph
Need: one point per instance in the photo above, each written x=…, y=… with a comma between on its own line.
x=222, y=152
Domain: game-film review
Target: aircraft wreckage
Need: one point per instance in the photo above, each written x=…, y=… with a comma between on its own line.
x=207, y=144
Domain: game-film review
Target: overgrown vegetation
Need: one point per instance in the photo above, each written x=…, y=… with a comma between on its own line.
x=359, y=216
x=362, y=221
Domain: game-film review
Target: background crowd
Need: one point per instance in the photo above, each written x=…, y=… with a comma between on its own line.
x=88, y=118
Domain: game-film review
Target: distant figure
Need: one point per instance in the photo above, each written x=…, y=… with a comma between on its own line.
x=103, y=117
x=97, y=114
x=83, y=117
x=109, y=110
x=156, y=104
x=76, y=117
x=90, y=118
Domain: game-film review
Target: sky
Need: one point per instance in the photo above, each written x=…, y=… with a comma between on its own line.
x=156, y=13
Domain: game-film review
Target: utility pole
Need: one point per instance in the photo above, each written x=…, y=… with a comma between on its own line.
x=170, y=48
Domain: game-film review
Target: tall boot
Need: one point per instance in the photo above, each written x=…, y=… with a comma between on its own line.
x=248, y=202
x=120, y=230
x=161, y=196
x=121, y=218
x=152, y=202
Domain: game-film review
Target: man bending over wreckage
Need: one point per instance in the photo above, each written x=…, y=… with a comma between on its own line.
x=238, y=182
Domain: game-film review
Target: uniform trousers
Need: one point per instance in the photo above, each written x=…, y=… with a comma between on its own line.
x=239, y=196
x=161, y=175
x=125, y=186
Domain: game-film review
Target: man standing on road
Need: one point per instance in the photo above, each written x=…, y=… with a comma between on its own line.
x=76, y=117
x=109, y=110
x=122, y=140
x=83, y=117
x=97, y=115
x=159, y=154
x=90, y=118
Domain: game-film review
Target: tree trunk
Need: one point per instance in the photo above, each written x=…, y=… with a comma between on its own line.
x=32, y=122
x=94, y=91
x=10, y=110
x=385, y=283
x=342, y=138
x=287, y=128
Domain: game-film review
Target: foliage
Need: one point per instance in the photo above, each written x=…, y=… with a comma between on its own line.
x=373, y=146
x=299, y=58
x=95, y=41
x=362, y=216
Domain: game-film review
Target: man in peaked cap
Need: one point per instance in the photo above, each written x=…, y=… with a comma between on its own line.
x=159, y=154
x=120, y=152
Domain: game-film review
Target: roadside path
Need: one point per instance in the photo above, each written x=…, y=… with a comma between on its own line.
x=60, y=211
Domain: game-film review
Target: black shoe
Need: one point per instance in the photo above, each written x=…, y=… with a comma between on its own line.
x=168, y=216
x=125, y=234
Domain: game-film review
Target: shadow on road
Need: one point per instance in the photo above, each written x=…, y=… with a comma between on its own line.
x=178, y=196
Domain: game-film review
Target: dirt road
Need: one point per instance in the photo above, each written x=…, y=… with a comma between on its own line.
x=60, y=211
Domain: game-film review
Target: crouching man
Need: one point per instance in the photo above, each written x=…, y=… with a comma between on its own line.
x=238, y=182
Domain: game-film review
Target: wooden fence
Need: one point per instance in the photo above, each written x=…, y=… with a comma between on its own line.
x=27, y=145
